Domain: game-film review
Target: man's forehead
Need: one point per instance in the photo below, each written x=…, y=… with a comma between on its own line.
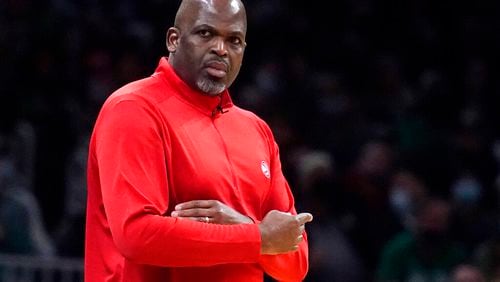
x=229, y=15
x=214, y=15
x=217, y=6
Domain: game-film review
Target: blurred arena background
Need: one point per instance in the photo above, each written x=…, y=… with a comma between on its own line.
x=375, y=104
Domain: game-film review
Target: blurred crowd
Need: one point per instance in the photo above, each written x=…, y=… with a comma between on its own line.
x=386, y=113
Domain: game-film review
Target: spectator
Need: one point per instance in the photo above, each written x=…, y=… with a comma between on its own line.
x=22, y=229
x=471, y=222
x=407, y=191
x=333, y=257
x=424, y=252
x=365, y=186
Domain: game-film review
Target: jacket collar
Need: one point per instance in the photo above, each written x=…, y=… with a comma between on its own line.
x=210, y=105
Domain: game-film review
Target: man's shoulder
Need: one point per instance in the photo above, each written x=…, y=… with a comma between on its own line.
x=146, y=89
x=137, y=87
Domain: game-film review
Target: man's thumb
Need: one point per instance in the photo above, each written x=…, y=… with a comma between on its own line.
x=304, y=217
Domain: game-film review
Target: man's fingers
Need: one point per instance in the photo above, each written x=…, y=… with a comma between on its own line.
x=304, y=217
x=194, y=204
x=204, y=219
x=194, y=212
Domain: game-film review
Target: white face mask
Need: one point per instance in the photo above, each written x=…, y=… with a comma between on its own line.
x=400, y=201
x=466, y=191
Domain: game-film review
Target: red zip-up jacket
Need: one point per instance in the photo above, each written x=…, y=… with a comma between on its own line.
x=157, y=143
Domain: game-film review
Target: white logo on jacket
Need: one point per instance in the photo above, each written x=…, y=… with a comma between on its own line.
x=265, y=169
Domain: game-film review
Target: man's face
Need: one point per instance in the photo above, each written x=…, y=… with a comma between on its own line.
x=208, y=50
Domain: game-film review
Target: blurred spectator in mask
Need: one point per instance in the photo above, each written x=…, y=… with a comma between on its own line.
x=406, y=192
x=424, y=252
x=471, y=224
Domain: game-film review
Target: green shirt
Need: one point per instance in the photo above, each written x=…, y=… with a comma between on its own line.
x=399, y=261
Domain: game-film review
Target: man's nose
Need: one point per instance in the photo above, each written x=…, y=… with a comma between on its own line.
x=220, y=47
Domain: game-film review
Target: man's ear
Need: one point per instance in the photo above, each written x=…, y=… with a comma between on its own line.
x=173, y=36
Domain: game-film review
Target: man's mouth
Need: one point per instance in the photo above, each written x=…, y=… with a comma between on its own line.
x=216, y=69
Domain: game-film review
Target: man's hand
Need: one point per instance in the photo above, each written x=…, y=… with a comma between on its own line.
x=209, y=211
x=282, y=232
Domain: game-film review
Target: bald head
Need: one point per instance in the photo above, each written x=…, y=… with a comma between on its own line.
x=189, y=9
x=207, y=43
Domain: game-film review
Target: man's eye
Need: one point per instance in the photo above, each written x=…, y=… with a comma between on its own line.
x=204, y=33
x=236, y=41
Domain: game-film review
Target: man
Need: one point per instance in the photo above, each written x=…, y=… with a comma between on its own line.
x=182, y=184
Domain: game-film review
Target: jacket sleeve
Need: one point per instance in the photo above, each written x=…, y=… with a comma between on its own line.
x=131, y=152
x=292, y=266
